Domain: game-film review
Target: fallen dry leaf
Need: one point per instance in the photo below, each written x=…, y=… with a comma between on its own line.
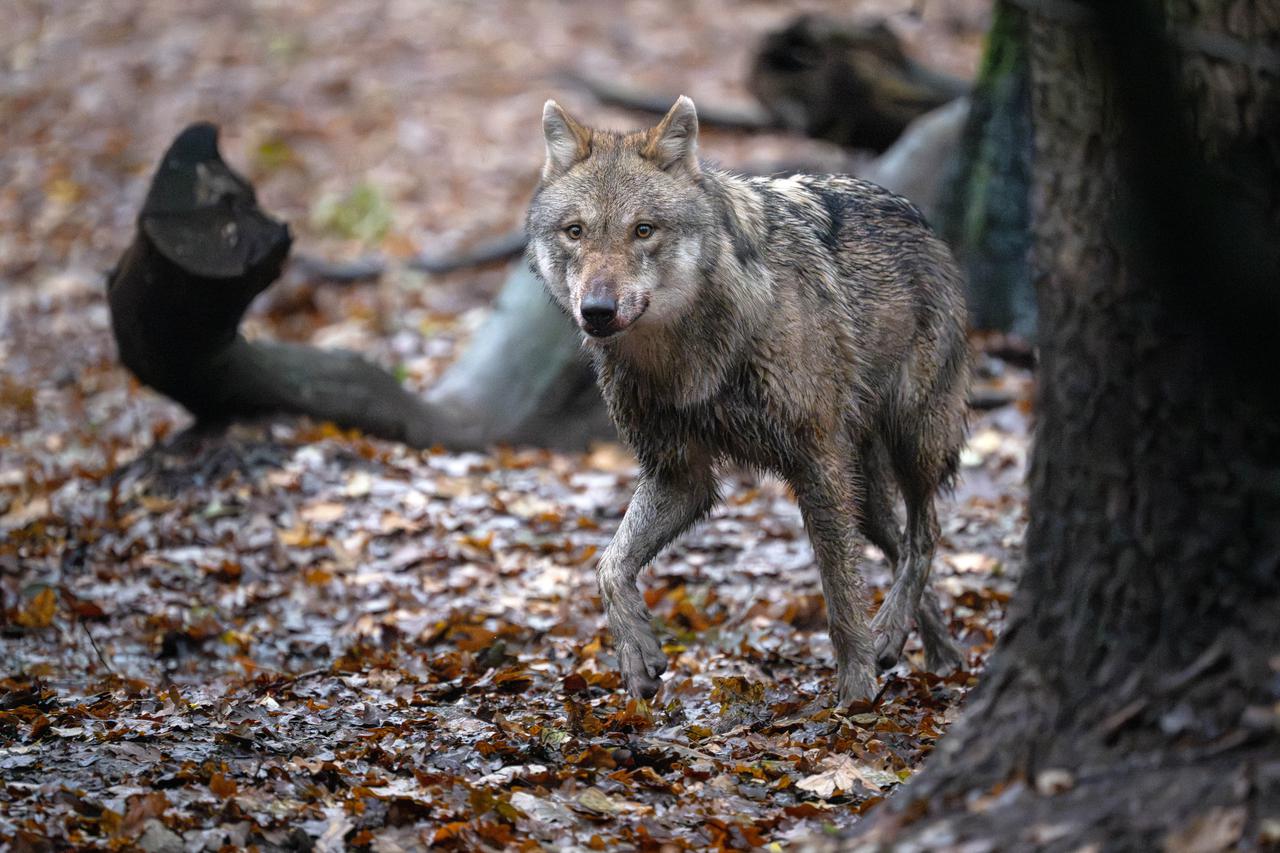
x=842, y=773
x=1213, y=831
x=40, y=610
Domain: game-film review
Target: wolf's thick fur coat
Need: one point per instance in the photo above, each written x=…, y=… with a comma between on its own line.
x=811, y=326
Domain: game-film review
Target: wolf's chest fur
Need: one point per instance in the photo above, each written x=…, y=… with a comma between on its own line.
x=750, y=411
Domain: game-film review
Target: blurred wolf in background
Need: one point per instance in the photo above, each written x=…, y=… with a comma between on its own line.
x=810, y=326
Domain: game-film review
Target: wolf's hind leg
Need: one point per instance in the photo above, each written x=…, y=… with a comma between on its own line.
x=660, y=510
x=892, y=621
x=920, y=459
x=827, y=493
x=941, y=654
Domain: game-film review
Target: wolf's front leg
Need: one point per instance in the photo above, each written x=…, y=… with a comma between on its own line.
x=662, y=507
x=828, y=499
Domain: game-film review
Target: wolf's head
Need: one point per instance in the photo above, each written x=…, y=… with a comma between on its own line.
x=616, y=228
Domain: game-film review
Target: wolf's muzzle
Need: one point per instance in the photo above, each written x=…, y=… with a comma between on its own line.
x=598, y=312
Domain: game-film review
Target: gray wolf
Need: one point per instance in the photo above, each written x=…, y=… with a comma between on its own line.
x=811, y=326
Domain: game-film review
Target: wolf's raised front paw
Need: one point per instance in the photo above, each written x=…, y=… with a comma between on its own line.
x=642, y=661
x=889, y=629
x=855, y=683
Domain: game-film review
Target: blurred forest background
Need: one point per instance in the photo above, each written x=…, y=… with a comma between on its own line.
x=292, y=635
x=295, y=634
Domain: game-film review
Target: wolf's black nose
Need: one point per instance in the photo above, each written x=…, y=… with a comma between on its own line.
x=598, y=312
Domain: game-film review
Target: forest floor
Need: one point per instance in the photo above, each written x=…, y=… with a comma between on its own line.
x=292, y=637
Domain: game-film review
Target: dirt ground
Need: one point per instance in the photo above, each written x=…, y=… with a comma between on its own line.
x=292, y=637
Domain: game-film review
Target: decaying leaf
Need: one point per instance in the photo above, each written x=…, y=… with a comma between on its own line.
x=336, y=826
x=1209, y=832
x=39, y=610
x=597, y=801
x=1054, y=780
x=540, y=808
x=841, y=773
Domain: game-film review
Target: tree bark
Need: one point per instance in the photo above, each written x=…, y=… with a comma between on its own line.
x=1133, y=701
x=985, y=211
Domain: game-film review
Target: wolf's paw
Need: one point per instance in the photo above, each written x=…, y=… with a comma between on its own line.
x=943, y=657
x=642, y=661
x=855, y=683
x=889, y=629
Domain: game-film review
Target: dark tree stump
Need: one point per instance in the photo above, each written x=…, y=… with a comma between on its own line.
x=203, y=251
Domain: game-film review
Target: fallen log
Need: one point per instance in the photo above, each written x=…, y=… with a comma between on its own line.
x=847, y=82
x=203, y=251
x=850, y=83
x=617, y=94
x=501, y=248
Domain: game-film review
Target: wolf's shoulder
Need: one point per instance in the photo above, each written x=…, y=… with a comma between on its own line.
x=837, y=197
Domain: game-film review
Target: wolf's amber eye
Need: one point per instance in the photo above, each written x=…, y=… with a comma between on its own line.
x=644, y=230
x=574, y=232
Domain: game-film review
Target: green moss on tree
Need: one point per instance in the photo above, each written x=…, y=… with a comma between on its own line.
x=985, y=209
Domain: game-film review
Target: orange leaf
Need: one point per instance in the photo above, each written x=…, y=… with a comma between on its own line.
x=449, y=830
x=317, y=576
x=39, y=611
x=222, y=786
x=142, y=807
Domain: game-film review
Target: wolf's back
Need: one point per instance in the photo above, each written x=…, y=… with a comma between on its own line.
x=853, y=244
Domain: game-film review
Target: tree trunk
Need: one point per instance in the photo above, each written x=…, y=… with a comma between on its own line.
x=985, y=212
x=1133, y=701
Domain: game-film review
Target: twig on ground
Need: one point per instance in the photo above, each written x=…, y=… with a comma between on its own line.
x=752, y=118
x=94, y=643
x=491, y=251
x=369, y=268
x=372, y=267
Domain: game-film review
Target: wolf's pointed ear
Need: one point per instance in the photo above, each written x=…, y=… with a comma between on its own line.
x=567, y=141
x=674, y=142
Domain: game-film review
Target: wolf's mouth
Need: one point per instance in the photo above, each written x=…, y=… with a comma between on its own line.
x=616, y=326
